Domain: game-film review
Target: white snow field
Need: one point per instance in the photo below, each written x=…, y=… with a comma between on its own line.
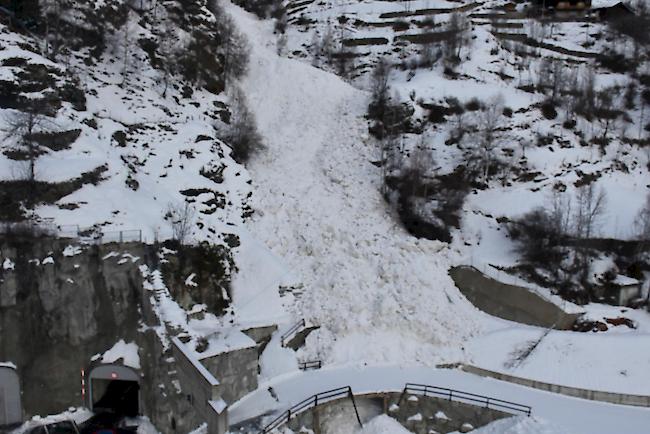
x=380, y=296
x=377, y=293
x=576, y=416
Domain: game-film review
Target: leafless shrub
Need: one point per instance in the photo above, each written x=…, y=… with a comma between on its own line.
x=241, y=134
x=180, y=216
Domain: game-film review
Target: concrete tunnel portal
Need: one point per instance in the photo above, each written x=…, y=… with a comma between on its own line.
x=115, y=389
x=11, y=412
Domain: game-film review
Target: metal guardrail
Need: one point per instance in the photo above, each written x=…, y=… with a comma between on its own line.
x=284, y=339
x=411, y=388
x=311, y=364
x=89, y=235
x=466, y=397
x=311, y=402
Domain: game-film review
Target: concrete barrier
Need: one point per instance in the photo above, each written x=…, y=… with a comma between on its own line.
x=11, y=411
x=510, y=302
x=398, y=405
x=576, y=392
x=201, y=388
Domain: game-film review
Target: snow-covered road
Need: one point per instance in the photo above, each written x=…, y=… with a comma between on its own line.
x=576, y=416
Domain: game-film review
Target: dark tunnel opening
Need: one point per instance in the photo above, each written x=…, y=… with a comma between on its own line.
x=121, y=397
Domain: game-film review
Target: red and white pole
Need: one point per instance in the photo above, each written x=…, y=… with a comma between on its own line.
x=83, y=388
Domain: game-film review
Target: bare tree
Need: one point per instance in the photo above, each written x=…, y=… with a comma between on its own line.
x=241, y=134
x=181, y=218
x=560, y=216
x=379, y=83
x=590, y=209
x=127, y=46
x=423, y=165
x=643, y=221
x=558, y=80
x=20, y=129
x=165, y=30
x=645, y=102
x=458, y=30
x=487, y=136
x=51, y=12
x=327, y=44
x=236, y=49
x=316, y=50
x=607, y=110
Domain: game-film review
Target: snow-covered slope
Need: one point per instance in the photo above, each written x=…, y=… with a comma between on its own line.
x=321, y=234
x=377, y=293
x=129, y=142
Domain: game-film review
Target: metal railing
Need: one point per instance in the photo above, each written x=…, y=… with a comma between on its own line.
x=466, y=397
x=89, y=235
x=311, y=402
x=286, y=337
x=312, y=364
x=120, y=236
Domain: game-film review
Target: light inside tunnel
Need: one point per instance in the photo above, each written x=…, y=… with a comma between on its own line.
x=115, y=389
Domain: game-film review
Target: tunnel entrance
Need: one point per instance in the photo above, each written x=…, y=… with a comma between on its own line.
x=115, y=389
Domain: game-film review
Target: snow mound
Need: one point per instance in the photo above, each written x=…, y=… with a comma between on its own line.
x=520, y=425
x=383, y=424
x=128, y=352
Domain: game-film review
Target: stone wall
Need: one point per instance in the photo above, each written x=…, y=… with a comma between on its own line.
x=198, y=385
x=261, y=335
x=420, y=414
x=417, y=413
x=201, y=389
x=236, y=371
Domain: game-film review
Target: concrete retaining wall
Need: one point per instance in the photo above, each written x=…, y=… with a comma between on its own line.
x=509, y=302
x=593, y=395
x=524, y=39
x=197, y=383
x=237, y=371
x=11, y=411
x=404, y=408
x=201, y=388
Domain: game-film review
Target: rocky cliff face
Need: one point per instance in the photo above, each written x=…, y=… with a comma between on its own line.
x=59, y=305
x=62, y=303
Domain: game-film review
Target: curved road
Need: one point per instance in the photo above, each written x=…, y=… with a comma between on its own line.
x=576, y=416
